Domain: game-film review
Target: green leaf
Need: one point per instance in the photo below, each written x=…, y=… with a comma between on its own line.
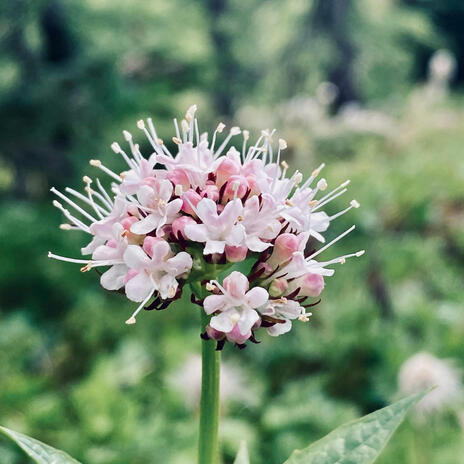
x=38, y=451
x=359, y=441
x=242, y=455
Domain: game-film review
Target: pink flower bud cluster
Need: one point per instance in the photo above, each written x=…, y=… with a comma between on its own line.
x=171, y=216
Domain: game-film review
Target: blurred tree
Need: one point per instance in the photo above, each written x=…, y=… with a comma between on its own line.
x=448, y=18
x=334, y=19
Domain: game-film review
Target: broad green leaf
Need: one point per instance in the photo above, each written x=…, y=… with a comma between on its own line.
x=359, y=441
x=38, y=451
x=242, y=455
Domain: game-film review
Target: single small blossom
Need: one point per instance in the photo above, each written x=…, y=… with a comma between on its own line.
x=217, y=230
x=236, y=305
x=284, y=311
x=157, y=207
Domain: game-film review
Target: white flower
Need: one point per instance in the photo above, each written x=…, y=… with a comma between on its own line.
x=260, y=222
x=282, y=309
x=217, y=230
x=236, y=305
x=155, y=202
x=196, y=162
x=155, y=273
x=423, y=371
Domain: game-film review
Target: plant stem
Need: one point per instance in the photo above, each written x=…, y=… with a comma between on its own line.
x=209, y=405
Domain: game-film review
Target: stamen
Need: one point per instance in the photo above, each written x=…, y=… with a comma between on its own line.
x=220, y=127
x=84, y=198
x=105, y=195
x=98, y=164
x=74, y=205
x=119, y=151
x=330, y=243
x=353, y=204
x=69, y=216
x=69, y=260
x=233, y=131
x=177, y=128
x=132, y=320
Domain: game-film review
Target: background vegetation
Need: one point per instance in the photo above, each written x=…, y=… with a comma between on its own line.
x=73, y=74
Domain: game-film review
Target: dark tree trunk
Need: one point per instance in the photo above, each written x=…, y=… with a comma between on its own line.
x=332, y=18
x=226, y=67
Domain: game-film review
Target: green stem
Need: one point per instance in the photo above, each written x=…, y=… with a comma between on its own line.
x=208, y=450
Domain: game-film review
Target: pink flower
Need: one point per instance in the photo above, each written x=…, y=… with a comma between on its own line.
x=282, y=309
x=157, y=206
x=237, y=304
x=155, y=273
x=260, y=222
x=217, y=230
x=196, y=162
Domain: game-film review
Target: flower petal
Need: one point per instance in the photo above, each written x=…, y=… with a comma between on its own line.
x=214, y=303
x=136, y=258
x=236, y=284
x=279, y=329
x=223, y=322
x=236, y=235
x=146, y=225
x=139, y=287
x=196, y=232
x=247, y=320
x=113, y=278
x=257, y=297
x=255, y=244
x=145, y=194
x=167, y=286
x=179, y=264
x=207, y=211
x=160, y=251
x=214, y=246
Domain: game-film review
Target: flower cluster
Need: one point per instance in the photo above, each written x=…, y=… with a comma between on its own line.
x=186, y=218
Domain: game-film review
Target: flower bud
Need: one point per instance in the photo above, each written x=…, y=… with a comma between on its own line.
x=235, y=254
x=214, y=334
x=225, y=170
x=148, y=244
x=179, y=224
x=278, y=287
x=128, y=221
x=236, y=337
x=237, y=186
x=179, y=177
x=189, y=198
x=267, y=268
x=311, y=285
x=284, y=247
x=210, y=191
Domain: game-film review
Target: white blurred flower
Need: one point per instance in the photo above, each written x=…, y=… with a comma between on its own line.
x=423, y=371
x=234, y=385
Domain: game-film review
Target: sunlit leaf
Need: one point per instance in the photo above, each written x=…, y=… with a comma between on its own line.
x=359, y=441
x=38, y=451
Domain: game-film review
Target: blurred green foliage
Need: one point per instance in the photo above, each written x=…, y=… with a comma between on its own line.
x=74, y=74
